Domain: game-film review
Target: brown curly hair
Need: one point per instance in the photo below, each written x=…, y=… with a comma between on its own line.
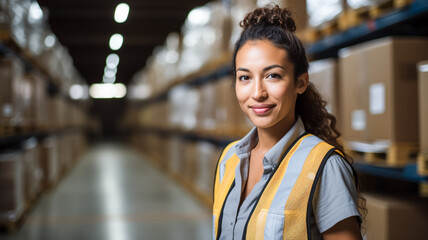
x=278, y=26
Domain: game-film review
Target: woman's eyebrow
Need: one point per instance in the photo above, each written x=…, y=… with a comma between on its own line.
x=264, y=69
x=272, y=66
x=242, y=69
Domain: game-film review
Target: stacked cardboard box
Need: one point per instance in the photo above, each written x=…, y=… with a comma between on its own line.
x=32, y=169
x=423, y=117
x=49, y=161
x=395, y=218
x=15, y=93
x=379, y=90
x=12, y=201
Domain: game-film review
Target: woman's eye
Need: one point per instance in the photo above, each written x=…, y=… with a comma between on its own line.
x=244, y=78
x=274, y=75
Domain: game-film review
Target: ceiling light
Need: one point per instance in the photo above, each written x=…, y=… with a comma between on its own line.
x=35, y=13
x=107, y=90
x=112, y=60
x=121, y=12
x=423, y=68
x=199, y=16
x=50, y=41
x=109, y=79
x=109, y=73
x=77, y=91
x=116, y=41
x=110, y=69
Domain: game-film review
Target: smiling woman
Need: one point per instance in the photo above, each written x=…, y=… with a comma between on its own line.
x=288, y=178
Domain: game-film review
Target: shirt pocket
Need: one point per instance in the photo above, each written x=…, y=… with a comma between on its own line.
x=274, y=227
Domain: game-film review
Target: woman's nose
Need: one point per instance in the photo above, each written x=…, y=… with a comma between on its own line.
x=259, y=91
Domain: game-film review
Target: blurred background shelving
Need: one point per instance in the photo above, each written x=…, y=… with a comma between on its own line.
x=179, y=110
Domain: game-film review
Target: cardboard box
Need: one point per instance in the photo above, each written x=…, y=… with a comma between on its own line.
x=379, y=90
x=13, y=92
x=423, y=105
x=32, y=169
x=12, y=201
x=49, y=161
x=395, y=218
x=323, y=75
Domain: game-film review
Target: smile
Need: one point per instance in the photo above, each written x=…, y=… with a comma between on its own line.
x=262, y=108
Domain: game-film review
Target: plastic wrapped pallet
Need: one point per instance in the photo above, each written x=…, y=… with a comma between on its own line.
x=12, y=202
x=39, y=109
x=32, y=169
x=184, y=104
x=49, y=160
x=381, y=105
x=206, y=34
x=17, y=12
x=176, y=146
x=205, y=172
x=321, y=12
x=15, y=94
x=207, y=113
x=190, y=161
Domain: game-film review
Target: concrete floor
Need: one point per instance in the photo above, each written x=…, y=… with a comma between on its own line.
x=114, y=194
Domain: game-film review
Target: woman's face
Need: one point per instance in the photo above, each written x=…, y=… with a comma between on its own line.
x=265, y=85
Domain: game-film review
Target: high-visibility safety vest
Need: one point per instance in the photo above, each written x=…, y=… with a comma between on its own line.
x=301, y=166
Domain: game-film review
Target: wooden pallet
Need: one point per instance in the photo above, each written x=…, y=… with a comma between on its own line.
x=10, y=226
x=423, y=164
x=394, y=155
x=9, y=130
x=354, y=17
x=327, y=29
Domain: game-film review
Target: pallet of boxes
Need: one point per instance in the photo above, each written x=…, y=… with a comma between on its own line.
x=379, y=119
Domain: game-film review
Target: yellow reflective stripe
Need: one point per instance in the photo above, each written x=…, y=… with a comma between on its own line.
x=256, y=225
x=222, y=189
x=217, y=174
x=297, y=203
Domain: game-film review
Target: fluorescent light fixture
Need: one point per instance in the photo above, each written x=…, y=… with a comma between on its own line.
x=109, y=80
x=77, y=91
x=121, y=12
x=106, y=69
x=112, y=60
x=109, y=73
x=199, y=16
x=50, y=40
x=116, y=41
x=107, y=90
x=423, y=68
x=35, y=13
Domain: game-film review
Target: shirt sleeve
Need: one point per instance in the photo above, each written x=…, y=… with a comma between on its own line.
x=336, y=196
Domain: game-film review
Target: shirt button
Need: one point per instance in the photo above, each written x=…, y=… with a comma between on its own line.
x=231, y=224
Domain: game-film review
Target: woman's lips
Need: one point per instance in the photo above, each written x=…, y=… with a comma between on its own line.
x=261, y=108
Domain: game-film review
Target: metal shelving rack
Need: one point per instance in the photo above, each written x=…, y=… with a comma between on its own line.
x=390, y=24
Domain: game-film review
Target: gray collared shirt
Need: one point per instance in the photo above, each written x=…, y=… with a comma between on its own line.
x=335, y=202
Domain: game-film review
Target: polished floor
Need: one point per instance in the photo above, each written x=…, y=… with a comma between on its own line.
x=115, y=194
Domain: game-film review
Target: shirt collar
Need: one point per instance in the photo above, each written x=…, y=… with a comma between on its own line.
x=272, y=157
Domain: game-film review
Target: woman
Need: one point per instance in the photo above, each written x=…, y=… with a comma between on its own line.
x=287, y=178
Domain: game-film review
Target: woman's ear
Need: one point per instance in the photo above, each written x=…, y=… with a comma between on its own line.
x=302, y=83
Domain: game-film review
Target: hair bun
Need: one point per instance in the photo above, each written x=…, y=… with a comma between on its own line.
x=270, y=16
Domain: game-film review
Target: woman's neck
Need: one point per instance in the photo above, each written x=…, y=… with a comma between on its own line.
x=269, y=137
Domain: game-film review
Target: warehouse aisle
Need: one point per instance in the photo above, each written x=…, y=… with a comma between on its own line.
x=114, y=194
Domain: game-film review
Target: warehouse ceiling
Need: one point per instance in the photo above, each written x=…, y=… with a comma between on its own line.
x=85, y=27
